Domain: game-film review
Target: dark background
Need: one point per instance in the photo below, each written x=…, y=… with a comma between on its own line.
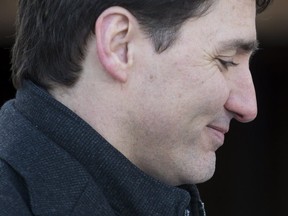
x=251, y=175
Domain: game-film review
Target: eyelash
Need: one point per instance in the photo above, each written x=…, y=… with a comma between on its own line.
x=227, y=64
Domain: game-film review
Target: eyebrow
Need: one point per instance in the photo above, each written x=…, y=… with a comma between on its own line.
x=239, y=44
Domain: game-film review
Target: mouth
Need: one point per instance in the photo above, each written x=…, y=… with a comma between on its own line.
x=220, y=129
x=218, y=134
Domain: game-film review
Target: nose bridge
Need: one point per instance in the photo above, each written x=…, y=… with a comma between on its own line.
x=242, y=99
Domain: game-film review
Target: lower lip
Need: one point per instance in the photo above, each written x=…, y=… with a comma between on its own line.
x=217, y=136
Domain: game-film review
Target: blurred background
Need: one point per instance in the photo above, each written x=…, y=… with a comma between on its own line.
x=251, y=175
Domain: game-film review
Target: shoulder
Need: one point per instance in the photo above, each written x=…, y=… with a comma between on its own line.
x=14, y=198
x=37, y=174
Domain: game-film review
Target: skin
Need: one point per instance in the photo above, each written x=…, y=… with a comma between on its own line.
x=168, y=113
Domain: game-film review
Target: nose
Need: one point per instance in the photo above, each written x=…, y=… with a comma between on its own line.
x=242, y=99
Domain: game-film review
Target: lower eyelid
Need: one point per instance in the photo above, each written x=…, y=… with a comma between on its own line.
x=227, y=62
x=233, y=63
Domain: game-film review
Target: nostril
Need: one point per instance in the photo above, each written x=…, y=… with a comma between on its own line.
x=243, y=109
x=246, y=115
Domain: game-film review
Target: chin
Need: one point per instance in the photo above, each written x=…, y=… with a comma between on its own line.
x=205, y=178
x=202, y=174
x=195, y=179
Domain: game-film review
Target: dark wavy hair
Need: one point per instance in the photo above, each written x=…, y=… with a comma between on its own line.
x=51, y=35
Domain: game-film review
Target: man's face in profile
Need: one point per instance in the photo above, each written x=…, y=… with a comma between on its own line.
x=187, y=95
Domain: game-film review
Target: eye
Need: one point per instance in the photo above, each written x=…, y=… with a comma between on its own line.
x=227, y=64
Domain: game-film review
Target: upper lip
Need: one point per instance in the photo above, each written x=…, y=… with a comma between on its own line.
x=221, y=129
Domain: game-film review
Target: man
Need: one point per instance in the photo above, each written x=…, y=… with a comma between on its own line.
x=121, y=105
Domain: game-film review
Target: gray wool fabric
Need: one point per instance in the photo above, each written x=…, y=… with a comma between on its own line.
x=52, y=163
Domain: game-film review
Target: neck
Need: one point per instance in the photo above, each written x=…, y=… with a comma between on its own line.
x=100, y=107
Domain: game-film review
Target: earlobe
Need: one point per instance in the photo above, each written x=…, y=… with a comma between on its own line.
x=113, y=35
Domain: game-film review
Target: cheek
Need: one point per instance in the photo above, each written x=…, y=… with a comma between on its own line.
x=214, y=92
x=180, y=88
x=208, y=95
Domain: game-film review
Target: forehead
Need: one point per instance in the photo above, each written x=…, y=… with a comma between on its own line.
x=228, y=23
x=236, y=14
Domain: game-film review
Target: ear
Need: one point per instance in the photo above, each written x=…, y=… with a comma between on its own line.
x=114, y=33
